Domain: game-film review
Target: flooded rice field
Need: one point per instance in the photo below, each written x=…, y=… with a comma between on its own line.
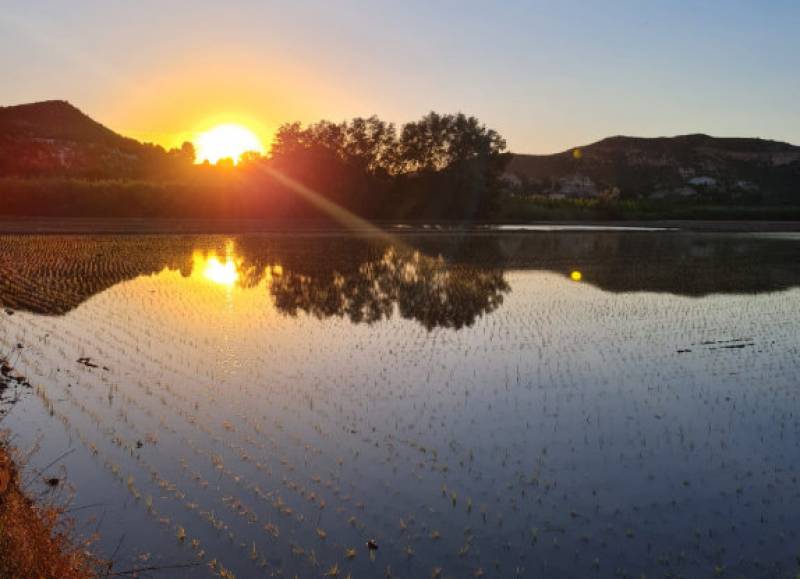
x=494, y=404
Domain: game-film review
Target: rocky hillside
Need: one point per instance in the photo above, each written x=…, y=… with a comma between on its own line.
x=55, y=138
x=689, y=166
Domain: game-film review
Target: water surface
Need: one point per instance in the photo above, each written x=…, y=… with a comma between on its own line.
x=499, y=404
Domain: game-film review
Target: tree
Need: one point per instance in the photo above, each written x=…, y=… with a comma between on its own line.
x=188, y=152
x=458, y=159
x=439, y=166
x=371, y=144
x=250, y=157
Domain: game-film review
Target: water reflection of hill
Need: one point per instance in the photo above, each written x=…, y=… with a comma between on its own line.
x=439, y=280
x=55, y=274
x=676, y=263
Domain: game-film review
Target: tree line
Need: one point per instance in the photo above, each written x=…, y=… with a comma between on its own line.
x=440, y=166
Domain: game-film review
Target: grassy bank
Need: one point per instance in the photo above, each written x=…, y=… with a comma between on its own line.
x=519, y=209
x=221, y=196
x=36, y=541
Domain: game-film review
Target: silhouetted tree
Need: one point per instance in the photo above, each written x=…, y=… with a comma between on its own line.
x=457, y=163
x=250, y=157
x=440, y=166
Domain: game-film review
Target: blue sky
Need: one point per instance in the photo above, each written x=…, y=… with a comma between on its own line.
x=547, y=75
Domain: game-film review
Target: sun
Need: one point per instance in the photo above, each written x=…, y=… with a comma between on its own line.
x=226, y=141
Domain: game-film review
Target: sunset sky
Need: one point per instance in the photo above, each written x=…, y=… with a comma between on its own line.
x=547, y=75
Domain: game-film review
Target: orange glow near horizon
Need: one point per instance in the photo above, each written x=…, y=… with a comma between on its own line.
x=226, y=141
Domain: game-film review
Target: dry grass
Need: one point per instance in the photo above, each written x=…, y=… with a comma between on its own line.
x=36, y=541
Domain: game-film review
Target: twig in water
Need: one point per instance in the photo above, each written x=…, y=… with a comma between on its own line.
x=153, y=568
x=72, y=510
x=43, y=470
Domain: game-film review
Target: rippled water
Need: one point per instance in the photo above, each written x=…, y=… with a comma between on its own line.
x=532, y=404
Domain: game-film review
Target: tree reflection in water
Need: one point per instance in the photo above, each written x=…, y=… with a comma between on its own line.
x=424, y=288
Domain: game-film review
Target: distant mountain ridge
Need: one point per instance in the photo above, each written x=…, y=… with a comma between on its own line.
x=688, y=166
x=54, y=138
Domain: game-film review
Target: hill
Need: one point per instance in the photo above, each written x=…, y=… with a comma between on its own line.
x=57, y=120
x=698, y=167
x=54, y=138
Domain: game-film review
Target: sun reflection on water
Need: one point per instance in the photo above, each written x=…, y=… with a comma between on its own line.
x=212, y=268
x=220, y=273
